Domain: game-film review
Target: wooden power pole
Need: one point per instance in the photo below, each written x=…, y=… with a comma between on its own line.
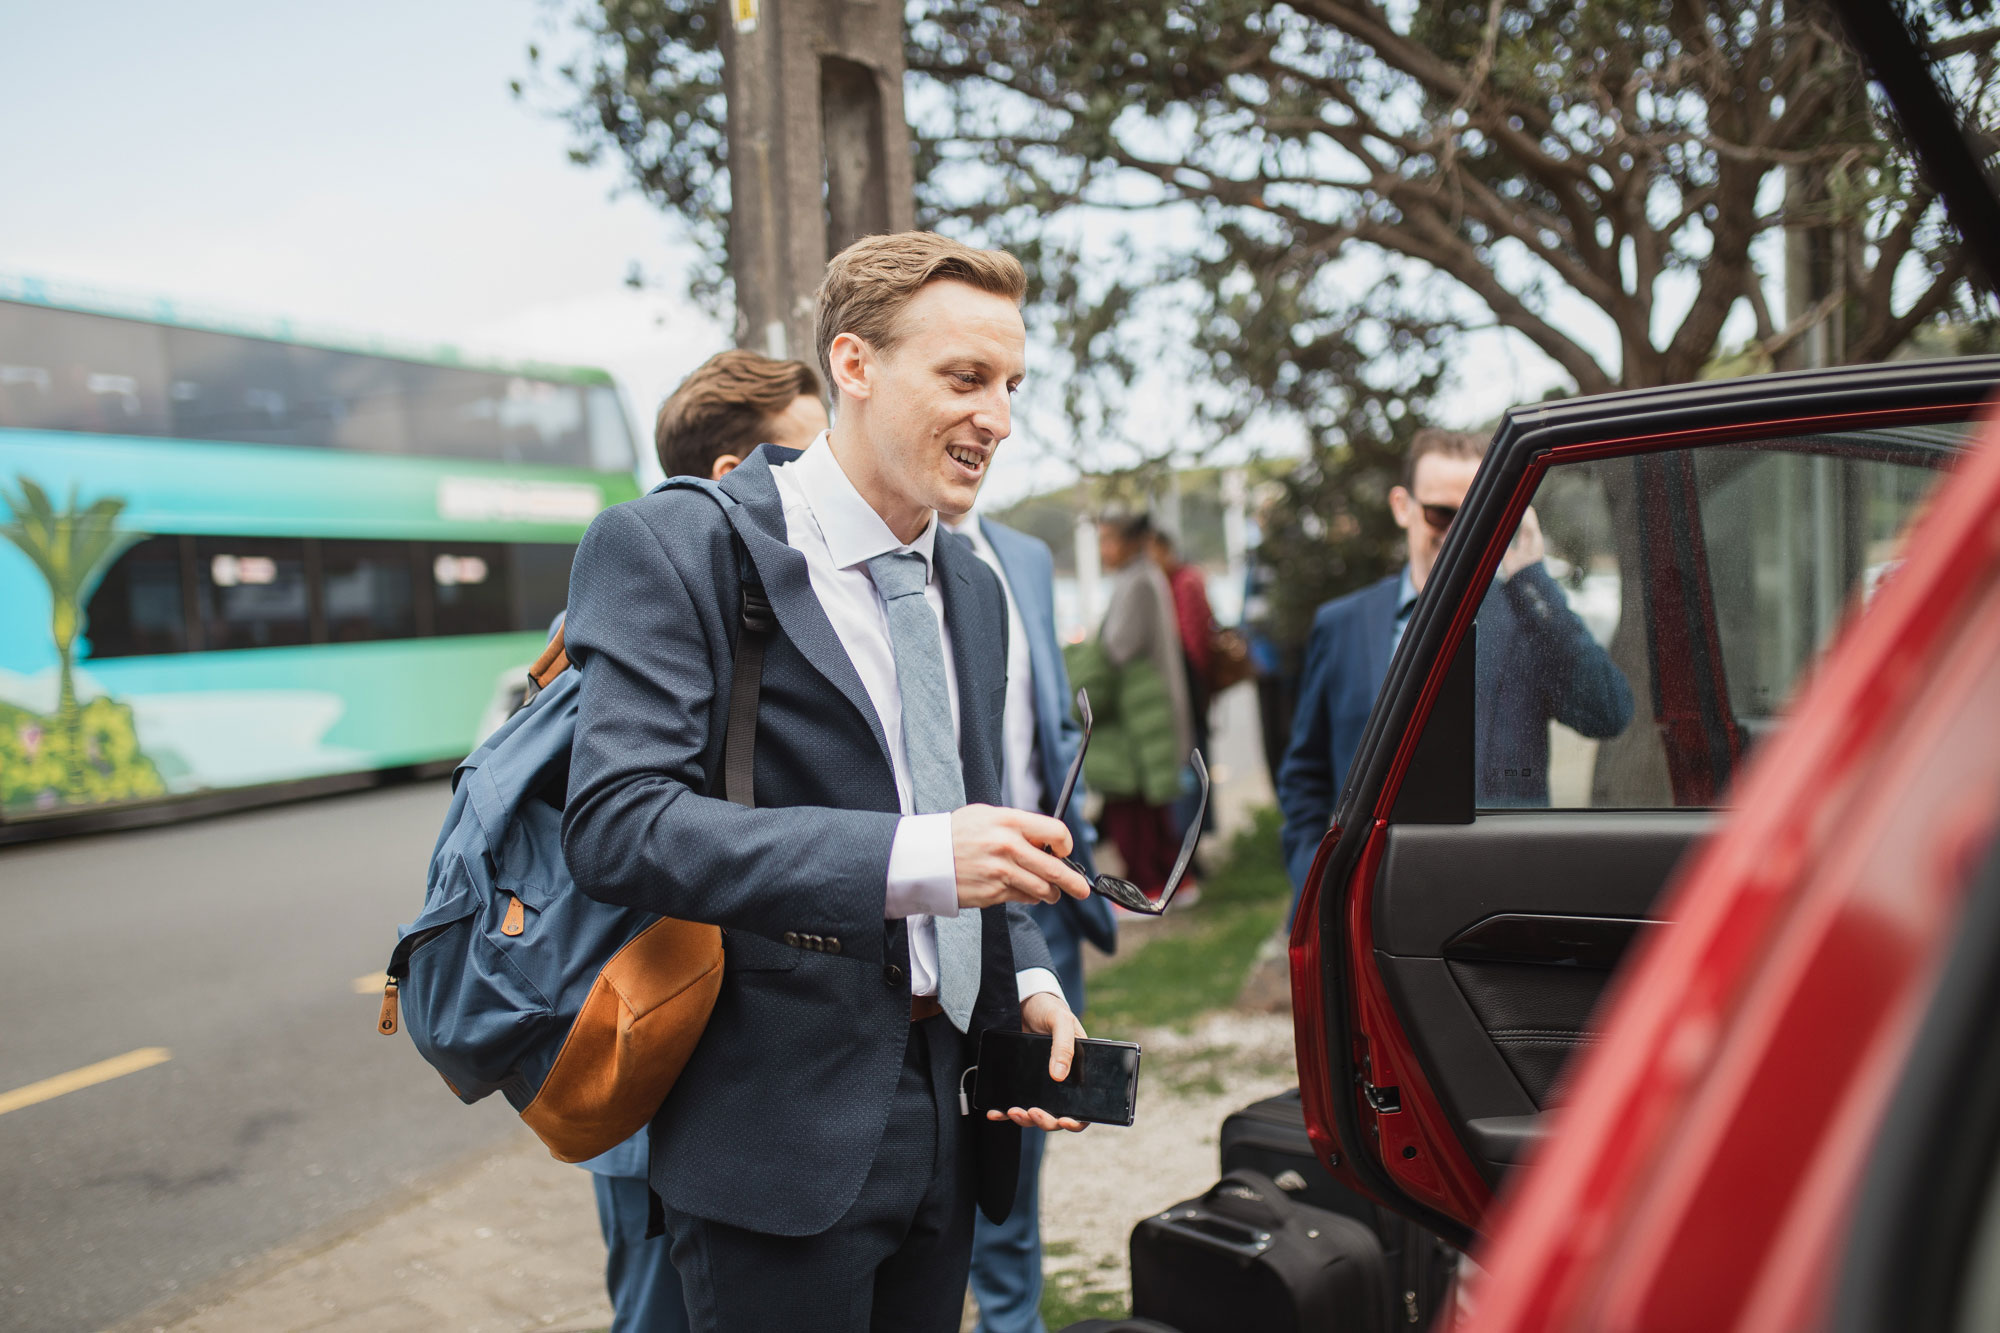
x=819, y=152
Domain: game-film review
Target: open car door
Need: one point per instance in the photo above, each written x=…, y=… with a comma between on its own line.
x=1546, y=747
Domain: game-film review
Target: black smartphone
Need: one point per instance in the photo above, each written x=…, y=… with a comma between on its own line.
x=1102, y=1087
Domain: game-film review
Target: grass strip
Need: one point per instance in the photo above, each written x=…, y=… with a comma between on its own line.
x=1202, y=954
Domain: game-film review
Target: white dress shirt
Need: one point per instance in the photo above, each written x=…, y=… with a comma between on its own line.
x=1024, y=777
x=838, y=532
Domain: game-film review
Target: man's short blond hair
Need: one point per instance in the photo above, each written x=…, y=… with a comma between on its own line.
x=867, y=285
x=1467, y=445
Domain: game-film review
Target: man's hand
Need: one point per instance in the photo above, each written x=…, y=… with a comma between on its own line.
x=1046, y=1013
x=998, y=858
x=1527, y=547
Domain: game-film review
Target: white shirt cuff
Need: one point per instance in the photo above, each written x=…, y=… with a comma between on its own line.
x=923, y=874
x=1039, y=981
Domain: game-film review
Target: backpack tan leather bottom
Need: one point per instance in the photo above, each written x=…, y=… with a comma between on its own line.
x=630, y=1041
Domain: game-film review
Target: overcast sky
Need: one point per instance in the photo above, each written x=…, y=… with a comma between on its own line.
x=361, y=165
x=364, y=165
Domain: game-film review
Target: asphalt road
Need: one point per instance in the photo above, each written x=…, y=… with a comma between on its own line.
x=234, y=943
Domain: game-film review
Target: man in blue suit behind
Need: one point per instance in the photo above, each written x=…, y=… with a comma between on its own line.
x=1537, y=661
x=1040, y=737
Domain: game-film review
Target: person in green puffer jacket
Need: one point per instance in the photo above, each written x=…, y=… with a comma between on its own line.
x=1142, y=729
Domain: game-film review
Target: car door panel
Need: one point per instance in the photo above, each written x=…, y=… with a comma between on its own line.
x=1447, y=958
x=1439, y=881
x=1495, y=940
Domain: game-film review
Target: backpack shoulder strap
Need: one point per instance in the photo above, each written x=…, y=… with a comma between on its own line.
x=755, y=622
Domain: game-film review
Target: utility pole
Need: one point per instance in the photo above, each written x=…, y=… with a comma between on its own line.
x=819, y=152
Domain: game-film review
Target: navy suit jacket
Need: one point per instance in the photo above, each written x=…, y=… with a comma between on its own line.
x=1536, y=662
x=775, y=1121
x=1030, y=572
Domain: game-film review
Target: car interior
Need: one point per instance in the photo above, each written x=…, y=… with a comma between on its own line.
x=1505, y=896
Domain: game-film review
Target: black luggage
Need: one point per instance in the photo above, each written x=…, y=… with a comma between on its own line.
x=1246, y=1256
x=1270, y=1137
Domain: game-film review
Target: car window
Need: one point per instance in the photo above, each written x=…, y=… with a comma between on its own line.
x=1655, y=611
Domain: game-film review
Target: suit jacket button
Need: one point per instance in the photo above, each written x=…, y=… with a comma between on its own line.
x=814, y=942
x=893, y=975
x=792, y=938
x=832, y=944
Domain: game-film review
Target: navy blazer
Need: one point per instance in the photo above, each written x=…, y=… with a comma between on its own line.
x=1030, y=572
x=1536, y=662
x=775, y=1121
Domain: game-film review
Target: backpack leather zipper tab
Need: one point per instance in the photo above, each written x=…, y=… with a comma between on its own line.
x=387, y=1024
x=517, y=919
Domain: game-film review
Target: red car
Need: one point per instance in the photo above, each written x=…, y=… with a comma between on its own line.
x=1790, y=1086
x=1787, y=1112
x=1784, y=1112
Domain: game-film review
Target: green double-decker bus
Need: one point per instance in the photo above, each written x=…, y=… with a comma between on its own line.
x=239, y=562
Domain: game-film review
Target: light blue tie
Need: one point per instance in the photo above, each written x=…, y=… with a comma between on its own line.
x=937, y=783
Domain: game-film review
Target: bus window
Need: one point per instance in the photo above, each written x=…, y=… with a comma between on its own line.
x=610, y=437
x=140, y=606
x=362, y=401
x=237, y=389
x=61, y=370
x=470, y=588
x=366, y=590
x=251, y=592
x=475, y=414
x=541, y=582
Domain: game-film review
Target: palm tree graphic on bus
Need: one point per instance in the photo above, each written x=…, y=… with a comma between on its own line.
x=86, y=753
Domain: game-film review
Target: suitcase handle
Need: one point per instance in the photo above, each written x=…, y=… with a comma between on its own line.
x=1218, y=1233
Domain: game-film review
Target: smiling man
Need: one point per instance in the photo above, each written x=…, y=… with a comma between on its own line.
x=815, y=1166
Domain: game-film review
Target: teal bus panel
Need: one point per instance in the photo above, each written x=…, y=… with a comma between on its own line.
x=178, y=725
x=172, y=486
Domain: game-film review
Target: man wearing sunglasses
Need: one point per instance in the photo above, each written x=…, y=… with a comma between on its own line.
x=1529, y=642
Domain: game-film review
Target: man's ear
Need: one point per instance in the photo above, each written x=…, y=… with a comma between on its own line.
x=852, y=362
x=1403, y=506
x=722, y=467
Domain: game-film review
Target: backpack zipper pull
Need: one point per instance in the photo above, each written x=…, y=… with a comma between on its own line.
x=387, y=1023
x=517, y=919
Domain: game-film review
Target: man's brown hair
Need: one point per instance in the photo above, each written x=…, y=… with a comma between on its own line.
x=726, y=407
x=867, y=285
x=1445, y=443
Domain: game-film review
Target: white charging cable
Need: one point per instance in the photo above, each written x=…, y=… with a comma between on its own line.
x=965, y=1101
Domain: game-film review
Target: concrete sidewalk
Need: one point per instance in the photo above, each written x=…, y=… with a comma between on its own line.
x=507, y=1241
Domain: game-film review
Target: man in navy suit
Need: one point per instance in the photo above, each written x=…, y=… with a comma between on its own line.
x=1536, y=660
x=1040, y=737
x=730, y=404
x=812, y=1159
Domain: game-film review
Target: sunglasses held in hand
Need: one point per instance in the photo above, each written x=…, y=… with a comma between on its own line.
x=1123, y=891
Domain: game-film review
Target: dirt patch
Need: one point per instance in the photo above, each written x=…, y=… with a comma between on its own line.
x=1098, y=1184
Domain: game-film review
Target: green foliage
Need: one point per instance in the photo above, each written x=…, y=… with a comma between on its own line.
x=1293, y=213
x=1331, y=167
x=45, y=766
x=71, y=548
x=1200, y=965
x=1065, y=1302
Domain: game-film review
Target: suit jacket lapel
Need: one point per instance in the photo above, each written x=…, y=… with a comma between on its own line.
x=1031, y=595
x=759, y=519
x=1378, y=624
x=977, y=647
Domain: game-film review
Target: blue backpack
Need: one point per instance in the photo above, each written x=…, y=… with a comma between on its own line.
x=512, y=980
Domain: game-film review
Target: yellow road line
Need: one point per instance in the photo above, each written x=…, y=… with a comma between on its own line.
x=103, y=1071
x=371, y=984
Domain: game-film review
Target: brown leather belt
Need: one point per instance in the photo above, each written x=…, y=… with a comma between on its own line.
x=924, y=1006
